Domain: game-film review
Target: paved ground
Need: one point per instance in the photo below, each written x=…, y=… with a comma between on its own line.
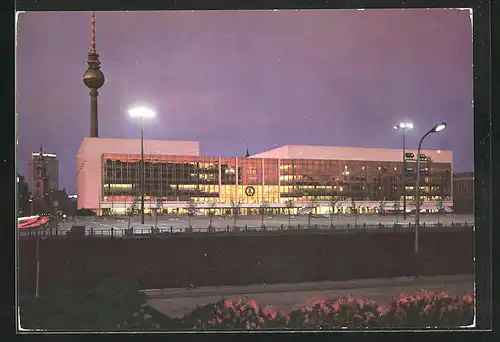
x=177, y=302
x=102, y=226
x=255, y=221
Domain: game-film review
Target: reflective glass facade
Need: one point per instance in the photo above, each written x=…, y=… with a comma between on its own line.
x=258, y=180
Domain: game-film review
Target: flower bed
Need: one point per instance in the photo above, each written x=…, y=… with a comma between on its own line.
x=417, y=310
x=115, y=305
x=241, y=313
x=337, y=313
x=428, y=309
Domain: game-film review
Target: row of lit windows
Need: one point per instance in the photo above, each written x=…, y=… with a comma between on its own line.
x=251, y=173
x=285, y=164
x=305, y=200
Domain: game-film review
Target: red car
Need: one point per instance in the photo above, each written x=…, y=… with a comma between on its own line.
x=31, y=221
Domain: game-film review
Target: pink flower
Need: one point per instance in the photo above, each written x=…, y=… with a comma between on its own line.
x=261, y=320
x=350, y=300
x=336, y=306
x=228, y=303
x=254, y=305
x=467, y=299
x=360, y=303
x=427, y=308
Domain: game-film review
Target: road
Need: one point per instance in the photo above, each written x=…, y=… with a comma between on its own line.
x=103, y=225
x=177, y=302
x=255, y=221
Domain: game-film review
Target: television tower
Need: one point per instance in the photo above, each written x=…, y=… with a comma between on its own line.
x=93, y=78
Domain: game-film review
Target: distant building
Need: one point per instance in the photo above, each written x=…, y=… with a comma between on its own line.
x=43, y=173
x=463, y=192
x=108, y=177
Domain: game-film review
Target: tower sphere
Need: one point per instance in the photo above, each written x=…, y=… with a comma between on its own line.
x=93, y=78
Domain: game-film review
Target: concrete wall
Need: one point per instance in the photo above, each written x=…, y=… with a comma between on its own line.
x=89, y=159
x=350, y=153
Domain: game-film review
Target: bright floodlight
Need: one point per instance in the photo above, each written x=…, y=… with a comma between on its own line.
x=403, y=125
x=439, y=127
x=141, y=112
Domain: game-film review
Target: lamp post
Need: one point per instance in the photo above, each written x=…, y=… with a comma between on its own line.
x=403, y=126
x=437, y=128
x=142, y=113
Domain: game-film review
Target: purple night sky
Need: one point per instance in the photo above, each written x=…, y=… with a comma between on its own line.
x=262, y=78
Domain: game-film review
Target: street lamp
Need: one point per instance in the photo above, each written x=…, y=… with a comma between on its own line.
x=142, y=113
x=437, y=128
x=403, y=126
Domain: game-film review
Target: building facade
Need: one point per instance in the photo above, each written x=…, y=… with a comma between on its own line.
x=290, y=177
x=463, y=192
x=43, y=173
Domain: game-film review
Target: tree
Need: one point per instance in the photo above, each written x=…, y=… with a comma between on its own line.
x=23, y=195
x=332, y=203
x=381, y=207
x=420, y=202
x=191, y=211
x=132, y=209
x=211, y=212
x=397, y=208
x=263, y=210
x=313, y=203
x=339, y=208
x=235, y=206
x=439, y=207
x=289, y=205
x=354, y=210
x=159, y=206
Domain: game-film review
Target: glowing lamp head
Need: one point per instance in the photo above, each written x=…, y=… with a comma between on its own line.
x=141, y=112
x=439, y=127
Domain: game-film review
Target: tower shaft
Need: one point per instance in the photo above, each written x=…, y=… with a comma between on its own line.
x=94, y=124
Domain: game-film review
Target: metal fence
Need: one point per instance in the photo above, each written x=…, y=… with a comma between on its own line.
x=282, y=229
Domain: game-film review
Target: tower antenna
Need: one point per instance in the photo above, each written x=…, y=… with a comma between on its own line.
x=93, y=78
x=92, y=45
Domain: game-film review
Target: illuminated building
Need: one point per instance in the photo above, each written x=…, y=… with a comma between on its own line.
x=463, y=192
x=109, y=179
